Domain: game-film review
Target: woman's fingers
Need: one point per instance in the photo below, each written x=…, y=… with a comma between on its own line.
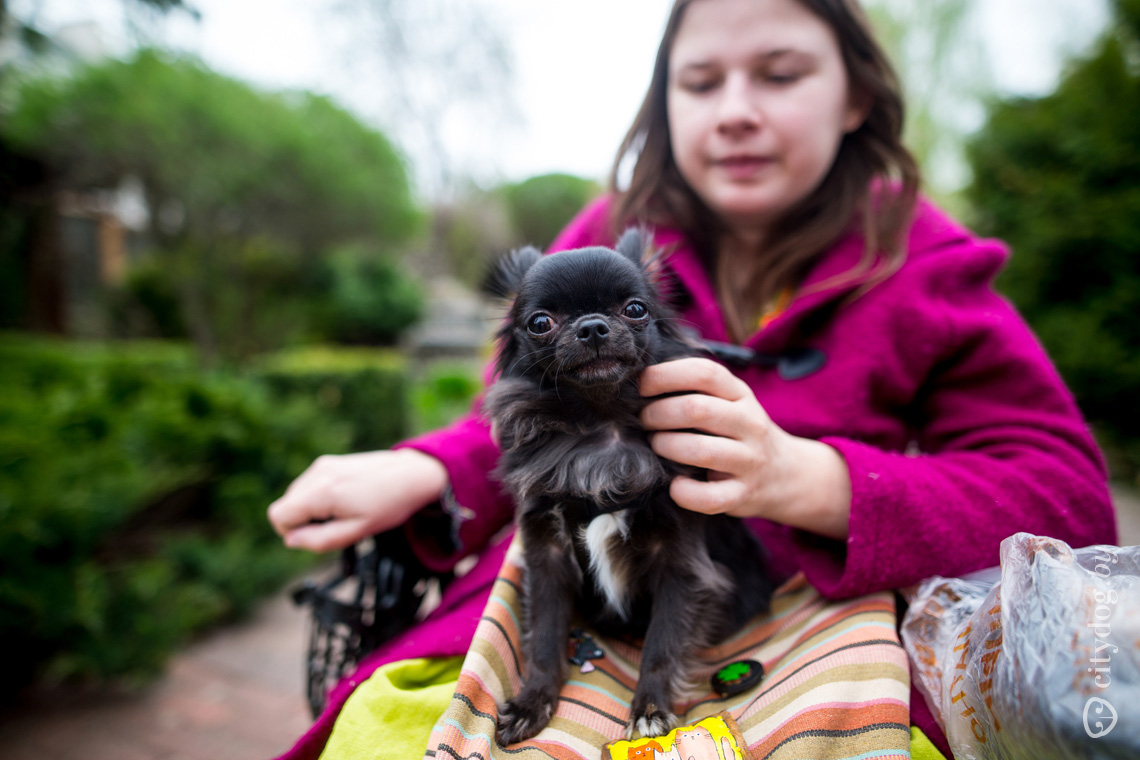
x=712, y=400
x=693, y=411
x=301, y=504
x=693, y=375
x=712, y=497
x=323, y=537
x=735, y=443
x=705, y=451
x=340, y=500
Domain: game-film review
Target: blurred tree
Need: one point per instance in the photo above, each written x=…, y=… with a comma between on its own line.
x=440, y=74
x=1058, y=177
x=952, y=61
x=220, y=165
x=370, y=301
x=539, y=207
x=31, y=295
x=472, y=230
x=478, y=225
x=215, y=157
x=26, y=38
x=946, y=76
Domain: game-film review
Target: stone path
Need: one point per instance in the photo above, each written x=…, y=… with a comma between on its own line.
x=235, y=695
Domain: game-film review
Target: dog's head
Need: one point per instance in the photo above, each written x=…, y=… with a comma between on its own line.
x=587, y=318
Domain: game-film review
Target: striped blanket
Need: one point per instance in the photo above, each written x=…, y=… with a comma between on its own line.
x=836, y=683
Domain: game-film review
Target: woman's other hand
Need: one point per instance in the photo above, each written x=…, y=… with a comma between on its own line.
x=755, y=468
x=340, y=500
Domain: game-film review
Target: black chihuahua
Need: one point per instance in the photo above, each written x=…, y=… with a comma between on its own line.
x=597, y=526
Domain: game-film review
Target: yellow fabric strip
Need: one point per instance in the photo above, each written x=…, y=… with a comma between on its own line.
x=922, y=748
x=392, y=713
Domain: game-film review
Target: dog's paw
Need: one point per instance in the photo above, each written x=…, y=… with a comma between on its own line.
x=653, y=721
x=520, y=719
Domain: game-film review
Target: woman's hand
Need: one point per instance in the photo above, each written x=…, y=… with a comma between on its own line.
x=756, y=469
x=340, y=500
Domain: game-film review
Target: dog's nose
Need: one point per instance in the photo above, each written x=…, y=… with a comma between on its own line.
x=593, y=331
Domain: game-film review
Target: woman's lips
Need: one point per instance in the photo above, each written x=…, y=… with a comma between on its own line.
x=743, y=167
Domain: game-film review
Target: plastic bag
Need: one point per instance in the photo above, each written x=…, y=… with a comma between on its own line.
x=1041, y=662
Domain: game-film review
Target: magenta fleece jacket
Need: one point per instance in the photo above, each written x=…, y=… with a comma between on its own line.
x=955, y=427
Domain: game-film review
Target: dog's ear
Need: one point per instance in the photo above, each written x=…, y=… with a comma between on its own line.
x=633, y=245
x=636, y=244
x=504, y=281
x=505, y=277
x=507, y=351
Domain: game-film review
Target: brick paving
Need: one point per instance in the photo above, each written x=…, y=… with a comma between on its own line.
x=235, y=695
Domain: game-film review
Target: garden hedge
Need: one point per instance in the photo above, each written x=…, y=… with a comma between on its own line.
x=133, y=490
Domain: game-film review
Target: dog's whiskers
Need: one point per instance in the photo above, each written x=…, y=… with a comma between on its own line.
x=556, y=366
x=558, y=369
x=541, y=356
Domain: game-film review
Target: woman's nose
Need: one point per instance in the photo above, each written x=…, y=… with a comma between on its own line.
x=738, y=109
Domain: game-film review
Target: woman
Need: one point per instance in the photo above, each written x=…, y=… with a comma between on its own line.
x=769, y=162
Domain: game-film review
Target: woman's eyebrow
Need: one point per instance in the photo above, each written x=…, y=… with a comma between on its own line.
x=767, y=55
x=784, y=53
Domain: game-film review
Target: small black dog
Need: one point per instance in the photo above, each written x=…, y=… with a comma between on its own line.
x=597, y=526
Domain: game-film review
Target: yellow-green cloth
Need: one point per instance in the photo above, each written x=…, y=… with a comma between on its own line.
x=392, y=713
x=922, y=748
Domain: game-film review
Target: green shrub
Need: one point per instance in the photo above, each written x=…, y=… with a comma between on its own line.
x=133, y=490
x=364, y=389
x=147, y=303
x=541, y=206
x=261, y=298
x=444, y=393
x=370, y=300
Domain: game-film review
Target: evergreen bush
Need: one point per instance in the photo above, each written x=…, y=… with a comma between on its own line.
x=1058, y=177
x=443, y=393
x=364, y=389
x=541, y=206
x=133, y=491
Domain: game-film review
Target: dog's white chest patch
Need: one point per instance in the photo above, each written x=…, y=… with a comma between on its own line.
x=608, y=575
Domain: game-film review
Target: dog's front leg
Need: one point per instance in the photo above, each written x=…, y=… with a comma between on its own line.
x=552, y=575
x=670, y=641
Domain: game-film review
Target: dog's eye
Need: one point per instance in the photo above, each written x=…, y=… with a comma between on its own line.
x=540, y=324
x=636, y=310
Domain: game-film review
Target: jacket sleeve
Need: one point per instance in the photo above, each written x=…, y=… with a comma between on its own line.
x=475, y=507
x=1001, y=448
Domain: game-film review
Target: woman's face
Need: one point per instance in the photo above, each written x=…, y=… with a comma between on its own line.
x=758, y=103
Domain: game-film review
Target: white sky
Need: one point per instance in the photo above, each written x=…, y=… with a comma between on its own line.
x=580, y=71
x=580, y=68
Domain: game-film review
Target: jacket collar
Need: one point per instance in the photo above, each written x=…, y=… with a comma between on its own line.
x=684, y=263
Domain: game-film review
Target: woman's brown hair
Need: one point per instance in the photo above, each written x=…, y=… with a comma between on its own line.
x=658, y=195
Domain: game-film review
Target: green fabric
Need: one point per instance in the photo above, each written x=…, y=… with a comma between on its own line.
x=392, y=713
x=922, y=748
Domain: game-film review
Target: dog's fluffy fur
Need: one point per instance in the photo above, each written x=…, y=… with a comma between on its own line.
x=598, y=528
